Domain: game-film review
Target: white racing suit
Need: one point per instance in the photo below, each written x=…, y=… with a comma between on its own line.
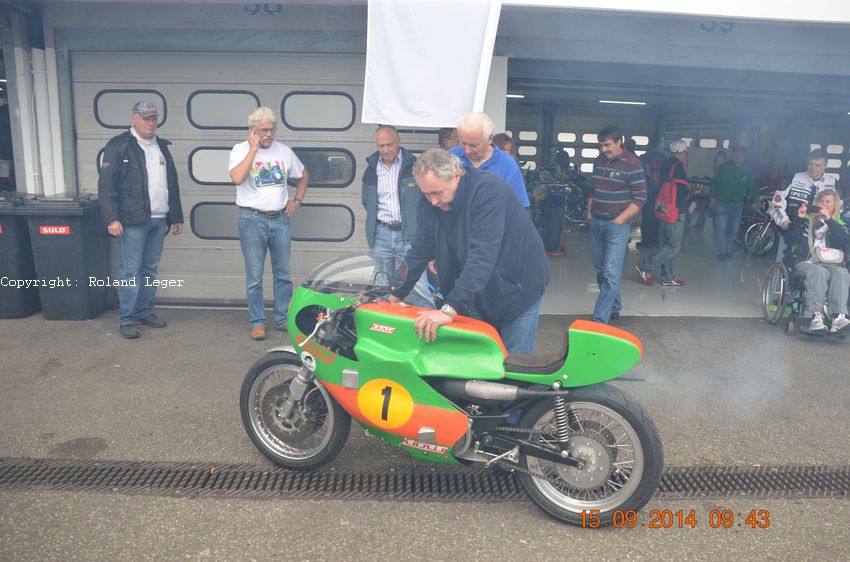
x=802, y=189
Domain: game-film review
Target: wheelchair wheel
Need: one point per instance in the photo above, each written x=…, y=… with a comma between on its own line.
x=774, y=294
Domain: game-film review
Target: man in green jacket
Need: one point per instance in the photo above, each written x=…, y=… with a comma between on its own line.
x=732, y=185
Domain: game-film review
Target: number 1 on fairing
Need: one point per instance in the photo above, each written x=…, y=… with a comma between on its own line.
x=386, y=392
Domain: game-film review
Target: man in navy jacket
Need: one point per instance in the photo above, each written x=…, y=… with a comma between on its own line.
x=490, y=260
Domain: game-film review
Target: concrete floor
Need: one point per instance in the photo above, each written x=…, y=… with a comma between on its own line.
x=721, y=391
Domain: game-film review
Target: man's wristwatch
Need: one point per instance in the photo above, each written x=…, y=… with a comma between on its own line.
x=297, y=200
x=449, y=311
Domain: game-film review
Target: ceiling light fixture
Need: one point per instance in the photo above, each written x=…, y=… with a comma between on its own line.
x=515, y=96
x=623, y=102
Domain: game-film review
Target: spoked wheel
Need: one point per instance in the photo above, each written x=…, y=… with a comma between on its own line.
x=775, y=291
x=318, y=428
x=615, y=440
x=760, y=238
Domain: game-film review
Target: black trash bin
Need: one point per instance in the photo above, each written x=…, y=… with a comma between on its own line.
x=69, y=242
x=18, y=288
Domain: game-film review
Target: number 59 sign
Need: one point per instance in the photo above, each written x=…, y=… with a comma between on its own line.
x=385, y=403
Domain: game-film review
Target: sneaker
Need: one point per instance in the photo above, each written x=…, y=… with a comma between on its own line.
x=839, y=324
x=645, y=275
x=817, y=324
x=672, y=282
x=258, y=333
x=129, y=331
x=153, y=321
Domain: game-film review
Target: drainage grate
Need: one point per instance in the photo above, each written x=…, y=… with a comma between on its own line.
x=418, y=483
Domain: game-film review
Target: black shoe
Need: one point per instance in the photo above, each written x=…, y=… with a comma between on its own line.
x=721, y=257
x=129, y=331
x=614, y=316
x=152, y=321
x=642, y=244
x=282, y=327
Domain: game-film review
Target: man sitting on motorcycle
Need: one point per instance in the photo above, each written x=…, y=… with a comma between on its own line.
x=490, y=260
x=801, y=191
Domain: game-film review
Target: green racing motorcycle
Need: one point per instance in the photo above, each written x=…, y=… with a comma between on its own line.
x=576, y=443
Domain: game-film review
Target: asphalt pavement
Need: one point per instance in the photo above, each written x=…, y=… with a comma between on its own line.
x=722, y=391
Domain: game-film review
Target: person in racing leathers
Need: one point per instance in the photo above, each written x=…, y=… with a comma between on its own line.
x=802, y=190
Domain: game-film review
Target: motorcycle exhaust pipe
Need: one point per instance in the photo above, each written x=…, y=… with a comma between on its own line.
x=493, y=391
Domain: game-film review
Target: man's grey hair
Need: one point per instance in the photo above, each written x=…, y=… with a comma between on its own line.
x=438, y=162
x=260, y=115
x=390, y=128
x=476, y=120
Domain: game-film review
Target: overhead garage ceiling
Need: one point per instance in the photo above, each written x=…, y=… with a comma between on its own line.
x=675, y=64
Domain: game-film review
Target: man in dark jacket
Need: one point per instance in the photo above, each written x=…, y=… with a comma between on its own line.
x=139, y=200
x=391, y=198
x=490, y=260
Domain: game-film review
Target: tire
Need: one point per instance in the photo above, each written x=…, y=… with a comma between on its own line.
x=318, y=432
x=553, y=227
x=602, y=420
x=760, y=238
x=775, y=292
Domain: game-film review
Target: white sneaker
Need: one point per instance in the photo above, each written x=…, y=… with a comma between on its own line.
x=817, y=324
x=839, y=324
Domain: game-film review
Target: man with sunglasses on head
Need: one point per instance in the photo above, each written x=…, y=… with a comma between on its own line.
x=260, y=168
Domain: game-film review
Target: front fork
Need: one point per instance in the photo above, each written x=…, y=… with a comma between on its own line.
x=299, y=385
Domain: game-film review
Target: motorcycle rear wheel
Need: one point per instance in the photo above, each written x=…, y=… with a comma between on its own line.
x=616, y=440
x=319, y=428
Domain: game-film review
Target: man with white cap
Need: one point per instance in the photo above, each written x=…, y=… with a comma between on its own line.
x=670, y=233
x=139, y=201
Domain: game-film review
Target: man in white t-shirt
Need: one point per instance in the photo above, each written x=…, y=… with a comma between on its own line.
x=260, y=168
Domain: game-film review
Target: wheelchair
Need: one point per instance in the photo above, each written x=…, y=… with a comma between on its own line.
x=784, y=298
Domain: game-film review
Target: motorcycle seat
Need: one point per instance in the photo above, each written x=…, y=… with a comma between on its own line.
x=539, y=364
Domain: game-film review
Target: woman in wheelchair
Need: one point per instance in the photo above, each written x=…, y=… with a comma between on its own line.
x=819, y=243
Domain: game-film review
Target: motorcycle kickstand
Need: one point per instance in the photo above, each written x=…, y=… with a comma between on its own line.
x=511, y=455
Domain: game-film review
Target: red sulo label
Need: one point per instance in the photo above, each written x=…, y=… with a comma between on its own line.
x=54, y=229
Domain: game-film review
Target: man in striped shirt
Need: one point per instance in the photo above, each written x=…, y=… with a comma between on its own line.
x=391, y=198
x=619, y=192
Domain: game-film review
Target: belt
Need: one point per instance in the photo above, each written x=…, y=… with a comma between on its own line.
x=270, y=214
x=390, y=225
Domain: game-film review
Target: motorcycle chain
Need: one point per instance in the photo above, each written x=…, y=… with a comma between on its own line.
x=515, y=467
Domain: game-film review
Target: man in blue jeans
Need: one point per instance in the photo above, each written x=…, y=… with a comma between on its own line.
x=139, y=200
x=617, y=195
x=733, y=184
x=390, y=197
x=260, y=168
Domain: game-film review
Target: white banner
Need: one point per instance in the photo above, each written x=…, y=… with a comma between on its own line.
x=427, y=61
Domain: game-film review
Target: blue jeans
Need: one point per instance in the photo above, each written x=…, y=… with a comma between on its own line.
x=258, y=233
x=670, y=243
x=520, y=334
x=727, y=218
x=141, y=249
x=388, y=250
x=608, y=244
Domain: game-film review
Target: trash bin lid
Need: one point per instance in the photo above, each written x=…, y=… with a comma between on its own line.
x=9, y=201
x=73, y=205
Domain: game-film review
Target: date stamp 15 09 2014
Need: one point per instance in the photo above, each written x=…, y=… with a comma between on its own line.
x=677, y=519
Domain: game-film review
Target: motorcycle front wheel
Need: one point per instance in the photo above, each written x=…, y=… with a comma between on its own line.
x=617, y=444
x=318, y=428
